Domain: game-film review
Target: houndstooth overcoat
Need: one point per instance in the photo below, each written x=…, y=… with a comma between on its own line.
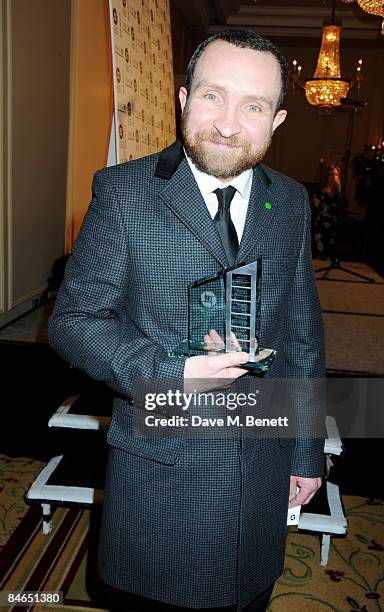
x=195, y=523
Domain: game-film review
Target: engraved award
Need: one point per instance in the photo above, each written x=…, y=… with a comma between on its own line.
x=228, y=303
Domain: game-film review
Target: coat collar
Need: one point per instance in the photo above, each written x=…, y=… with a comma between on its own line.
x=262, y=208
x=183, y=196
x=169, y=160
x=171, y=157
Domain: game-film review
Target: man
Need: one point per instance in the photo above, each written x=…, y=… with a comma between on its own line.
x=196, y=524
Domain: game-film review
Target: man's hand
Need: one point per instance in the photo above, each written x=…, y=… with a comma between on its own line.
x=307, y=489
x=214, y=342
x=205, y=372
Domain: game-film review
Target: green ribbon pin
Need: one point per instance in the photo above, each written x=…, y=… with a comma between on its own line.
x=268, y=205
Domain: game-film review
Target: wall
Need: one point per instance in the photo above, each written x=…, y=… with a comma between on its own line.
x=145, y=130
x=56, y=81
x=91, y=106
x=143, y=66
x=34, y=146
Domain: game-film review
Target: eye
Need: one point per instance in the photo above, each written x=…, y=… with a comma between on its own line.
x=253, y=108
x=211, y=96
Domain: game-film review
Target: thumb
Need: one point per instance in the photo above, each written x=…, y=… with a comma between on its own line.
x=229, y=360
x=293, y=488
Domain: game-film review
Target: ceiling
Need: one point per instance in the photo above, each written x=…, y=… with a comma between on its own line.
x=290, y=21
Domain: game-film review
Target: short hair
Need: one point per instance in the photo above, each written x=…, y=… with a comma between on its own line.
x=244, y=39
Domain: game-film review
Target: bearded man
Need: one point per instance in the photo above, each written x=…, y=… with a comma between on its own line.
x=195, y=523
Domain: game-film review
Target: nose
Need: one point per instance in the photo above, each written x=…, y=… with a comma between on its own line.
x=227, y=122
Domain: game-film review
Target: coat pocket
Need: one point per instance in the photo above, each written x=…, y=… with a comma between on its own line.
x=122, y=435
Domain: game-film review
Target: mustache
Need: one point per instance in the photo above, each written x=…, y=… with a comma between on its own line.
x=231, y=141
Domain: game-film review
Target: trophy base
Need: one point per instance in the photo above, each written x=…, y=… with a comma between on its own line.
x=260, y=362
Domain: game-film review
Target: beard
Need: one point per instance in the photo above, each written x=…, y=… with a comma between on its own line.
x=221, y=164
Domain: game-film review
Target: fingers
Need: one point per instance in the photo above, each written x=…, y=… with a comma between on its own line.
x=235, y=344
x=292, y=489
x=211, y=346
x=214, y=342
x=231, y=360
x=225, y=365
x=307, y=489
x=215, y=337
x=308, y=499
x=212, y=371
x=302, y=498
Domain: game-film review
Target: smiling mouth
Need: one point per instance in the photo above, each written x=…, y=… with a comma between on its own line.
x=224, y=147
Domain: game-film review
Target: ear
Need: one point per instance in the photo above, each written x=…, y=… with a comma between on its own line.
x=279, y=118
x=183, y=94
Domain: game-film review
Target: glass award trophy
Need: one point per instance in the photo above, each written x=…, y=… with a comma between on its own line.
x=228, y=303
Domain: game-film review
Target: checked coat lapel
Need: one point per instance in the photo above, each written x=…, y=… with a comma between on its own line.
x=258, y=216
x=182, y=195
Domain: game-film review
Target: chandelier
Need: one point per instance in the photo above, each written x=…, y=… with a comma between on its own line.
x=374, y=7
x=326, y=87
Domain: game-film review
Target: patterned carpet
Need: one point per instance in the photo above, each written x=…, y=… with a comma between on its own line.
x=353, y=580
x=354, y=577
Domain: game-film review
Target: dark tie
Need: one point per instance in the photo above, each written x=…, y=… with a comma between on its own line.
x=224, y=223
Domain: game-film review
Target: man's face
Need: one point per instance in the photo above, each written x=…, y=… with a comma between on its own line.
x=229, y=115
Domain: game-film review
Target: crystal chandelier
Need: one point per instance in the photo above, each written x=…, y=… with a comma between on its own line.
x=326, y=87
x=374, y=7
